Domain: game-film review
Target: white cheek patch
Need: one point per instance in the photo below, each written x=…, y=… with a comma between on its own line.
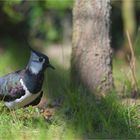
x=24, y=100
x=37, y=67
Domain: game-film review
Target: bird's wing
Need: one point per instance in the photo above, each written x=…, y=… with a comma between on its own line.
x=10, y=87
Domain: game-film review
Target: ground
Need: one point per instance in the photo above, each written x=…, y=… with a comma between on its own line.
x=70, y=113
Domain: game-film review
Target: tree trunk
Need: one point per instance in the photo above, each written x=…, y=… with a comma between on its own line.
x=91, y=53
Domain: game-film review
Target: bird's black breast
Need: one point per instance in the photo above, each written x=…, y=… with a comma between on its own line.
x=33, y=82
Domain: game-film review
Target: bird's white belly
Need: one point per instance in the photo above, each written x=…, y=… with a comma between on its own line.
x=23, y=100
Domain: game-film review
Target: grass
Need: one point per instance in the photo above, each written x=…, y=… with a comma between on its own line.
x=108, y=119
x=78, y=117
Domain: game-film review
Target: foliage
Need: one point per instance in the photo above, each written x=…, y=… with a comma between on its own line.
x=59, y=4
x=41, y=18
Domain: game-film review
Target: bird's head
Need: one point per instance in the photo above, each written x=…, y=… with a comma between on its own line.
x=38, y=62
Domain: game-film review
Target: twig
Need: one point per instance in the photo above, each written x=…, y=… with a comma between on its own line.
x=132, y=63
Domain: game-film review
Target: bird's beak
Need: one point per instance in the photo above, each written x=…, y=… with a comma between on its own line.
x=49, y=65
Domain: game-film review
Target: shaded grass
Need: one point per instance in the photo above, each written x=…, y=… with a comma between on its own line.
x=88, y=119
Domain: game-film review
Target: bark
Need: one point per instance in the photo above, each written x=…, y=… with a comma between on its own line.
x=91, y=53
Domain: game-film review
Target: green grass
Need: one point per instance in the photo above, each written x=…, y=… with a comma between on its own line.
x=88, y=119
x=79, y=116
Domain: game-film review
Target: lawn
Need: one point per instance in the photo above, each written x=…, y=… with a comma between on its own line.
x=75, y=113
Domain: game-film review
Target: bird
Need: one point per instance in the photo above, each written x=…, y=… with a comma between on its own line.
x=22, y=88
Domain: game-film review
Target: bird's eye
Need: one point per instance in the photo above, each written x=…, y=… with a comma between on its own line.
x=40, y=59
